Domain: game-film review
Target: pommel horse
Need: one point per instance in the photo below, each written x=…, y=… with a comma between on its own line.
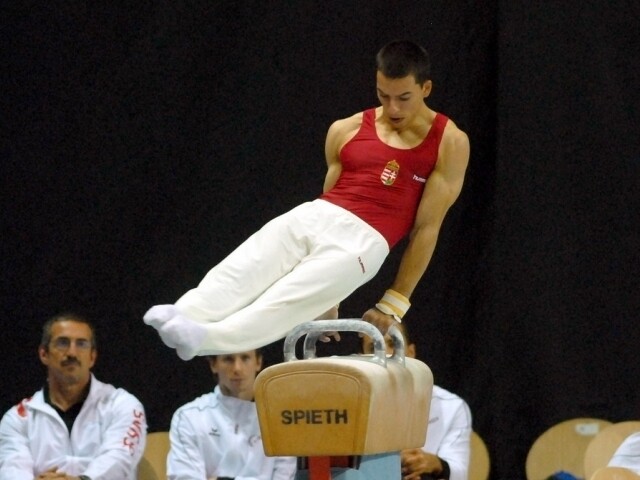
x=344, y=417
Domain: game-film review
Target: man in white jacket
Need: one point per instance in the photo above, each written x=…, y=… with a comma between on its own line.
x=76, y=427
x=447, y=449
x=628, y=454
x=217, y=435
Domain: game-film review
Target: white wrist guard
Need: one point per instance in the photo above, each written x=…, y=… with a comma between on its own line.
x=394, y=304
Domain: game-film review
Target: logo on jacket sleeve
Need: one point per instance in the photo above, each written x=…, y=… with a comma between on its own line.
x=136, y=431
x=22, y=407
x=390, y=173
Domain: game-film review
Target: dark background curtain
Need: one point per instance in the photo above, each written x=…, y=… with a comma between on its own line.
x=142, y=141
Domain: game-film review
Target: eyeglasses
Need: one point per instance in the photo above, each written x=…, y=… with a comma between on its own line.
x=64, y=343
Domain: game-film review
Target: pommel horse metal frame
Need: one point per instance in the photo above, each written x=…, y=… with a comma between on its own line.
x=315, y=329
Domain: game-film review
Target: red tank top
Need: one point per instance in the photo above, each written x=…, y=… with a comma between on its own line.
x=382, y=184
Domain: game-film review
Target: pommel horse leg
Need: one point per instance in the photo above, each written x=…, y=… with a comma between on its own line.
x=345, y=418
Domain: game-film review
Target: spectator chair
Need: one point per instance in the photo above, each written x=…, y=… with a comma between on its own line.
x=562, y=448
x=480, y=462
x=605, y=443
x=153, y=465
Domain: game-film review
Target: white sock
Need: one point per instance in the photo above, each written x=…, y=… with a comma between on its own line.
x=158, y=315
x=184, y=335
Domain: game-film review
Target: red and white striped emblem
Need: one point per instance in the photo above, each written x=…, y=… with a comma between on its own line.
x=390, y=173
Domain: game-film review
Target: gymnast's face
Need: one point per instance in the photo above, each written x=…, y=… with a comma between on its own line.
x=236, y=373
x=401, y=99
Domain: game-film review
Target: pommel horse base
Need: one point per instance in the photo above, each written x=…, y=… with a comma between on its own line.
x=345, y=418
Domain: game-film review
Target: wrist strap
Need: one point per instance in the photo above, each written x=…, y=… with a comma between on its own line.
x=394, y=304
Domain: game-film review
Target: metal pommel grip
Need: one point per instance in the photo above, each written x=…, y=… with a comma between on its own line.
x=315, y=329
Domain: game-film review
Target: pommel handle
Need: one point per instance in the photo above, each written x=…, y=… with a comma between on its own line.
x=316, y=328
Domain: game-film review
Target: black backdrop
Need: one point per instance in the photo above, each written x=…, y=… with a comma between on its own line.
x=141, y=141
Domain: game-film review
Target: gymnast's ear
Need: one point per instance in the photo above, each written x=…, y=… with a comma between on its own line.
x=426, y=88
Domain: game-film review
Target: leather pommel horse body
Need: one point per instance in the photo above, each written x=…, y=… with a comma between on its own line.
x=366, y=407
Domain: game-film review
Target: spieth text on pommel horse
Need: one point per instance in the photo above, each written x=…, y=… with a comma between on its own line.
x=314, y=417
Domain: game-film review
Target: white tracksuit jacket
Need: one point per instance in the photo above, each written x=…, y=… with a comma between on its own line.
x=106, y=441
x=218, y=436
x=449, y=431
x=628, y=454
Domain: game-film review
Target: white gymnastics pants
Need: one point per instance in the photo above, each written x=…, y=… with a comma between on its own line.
x=295, y=268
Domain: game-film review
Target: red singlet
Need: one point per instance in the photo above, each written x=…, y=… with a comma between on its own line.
x=381, y=184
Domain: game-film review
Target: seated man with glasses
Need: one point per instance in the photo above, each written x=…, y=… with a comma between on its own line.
x=75, y=427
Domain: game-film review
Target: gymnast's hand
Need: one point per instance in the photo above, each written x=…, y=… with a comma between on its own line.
x=380, y=320
x=331, y=314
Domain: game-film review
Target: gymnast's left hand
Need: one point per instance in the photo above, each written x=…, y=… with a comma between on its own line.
x=380, y=320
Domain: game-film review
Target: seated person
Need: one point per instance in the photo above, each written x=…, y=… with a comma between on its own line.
x=628, y=454
x=217, y=435
x=447, y=450
x=76, y=427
